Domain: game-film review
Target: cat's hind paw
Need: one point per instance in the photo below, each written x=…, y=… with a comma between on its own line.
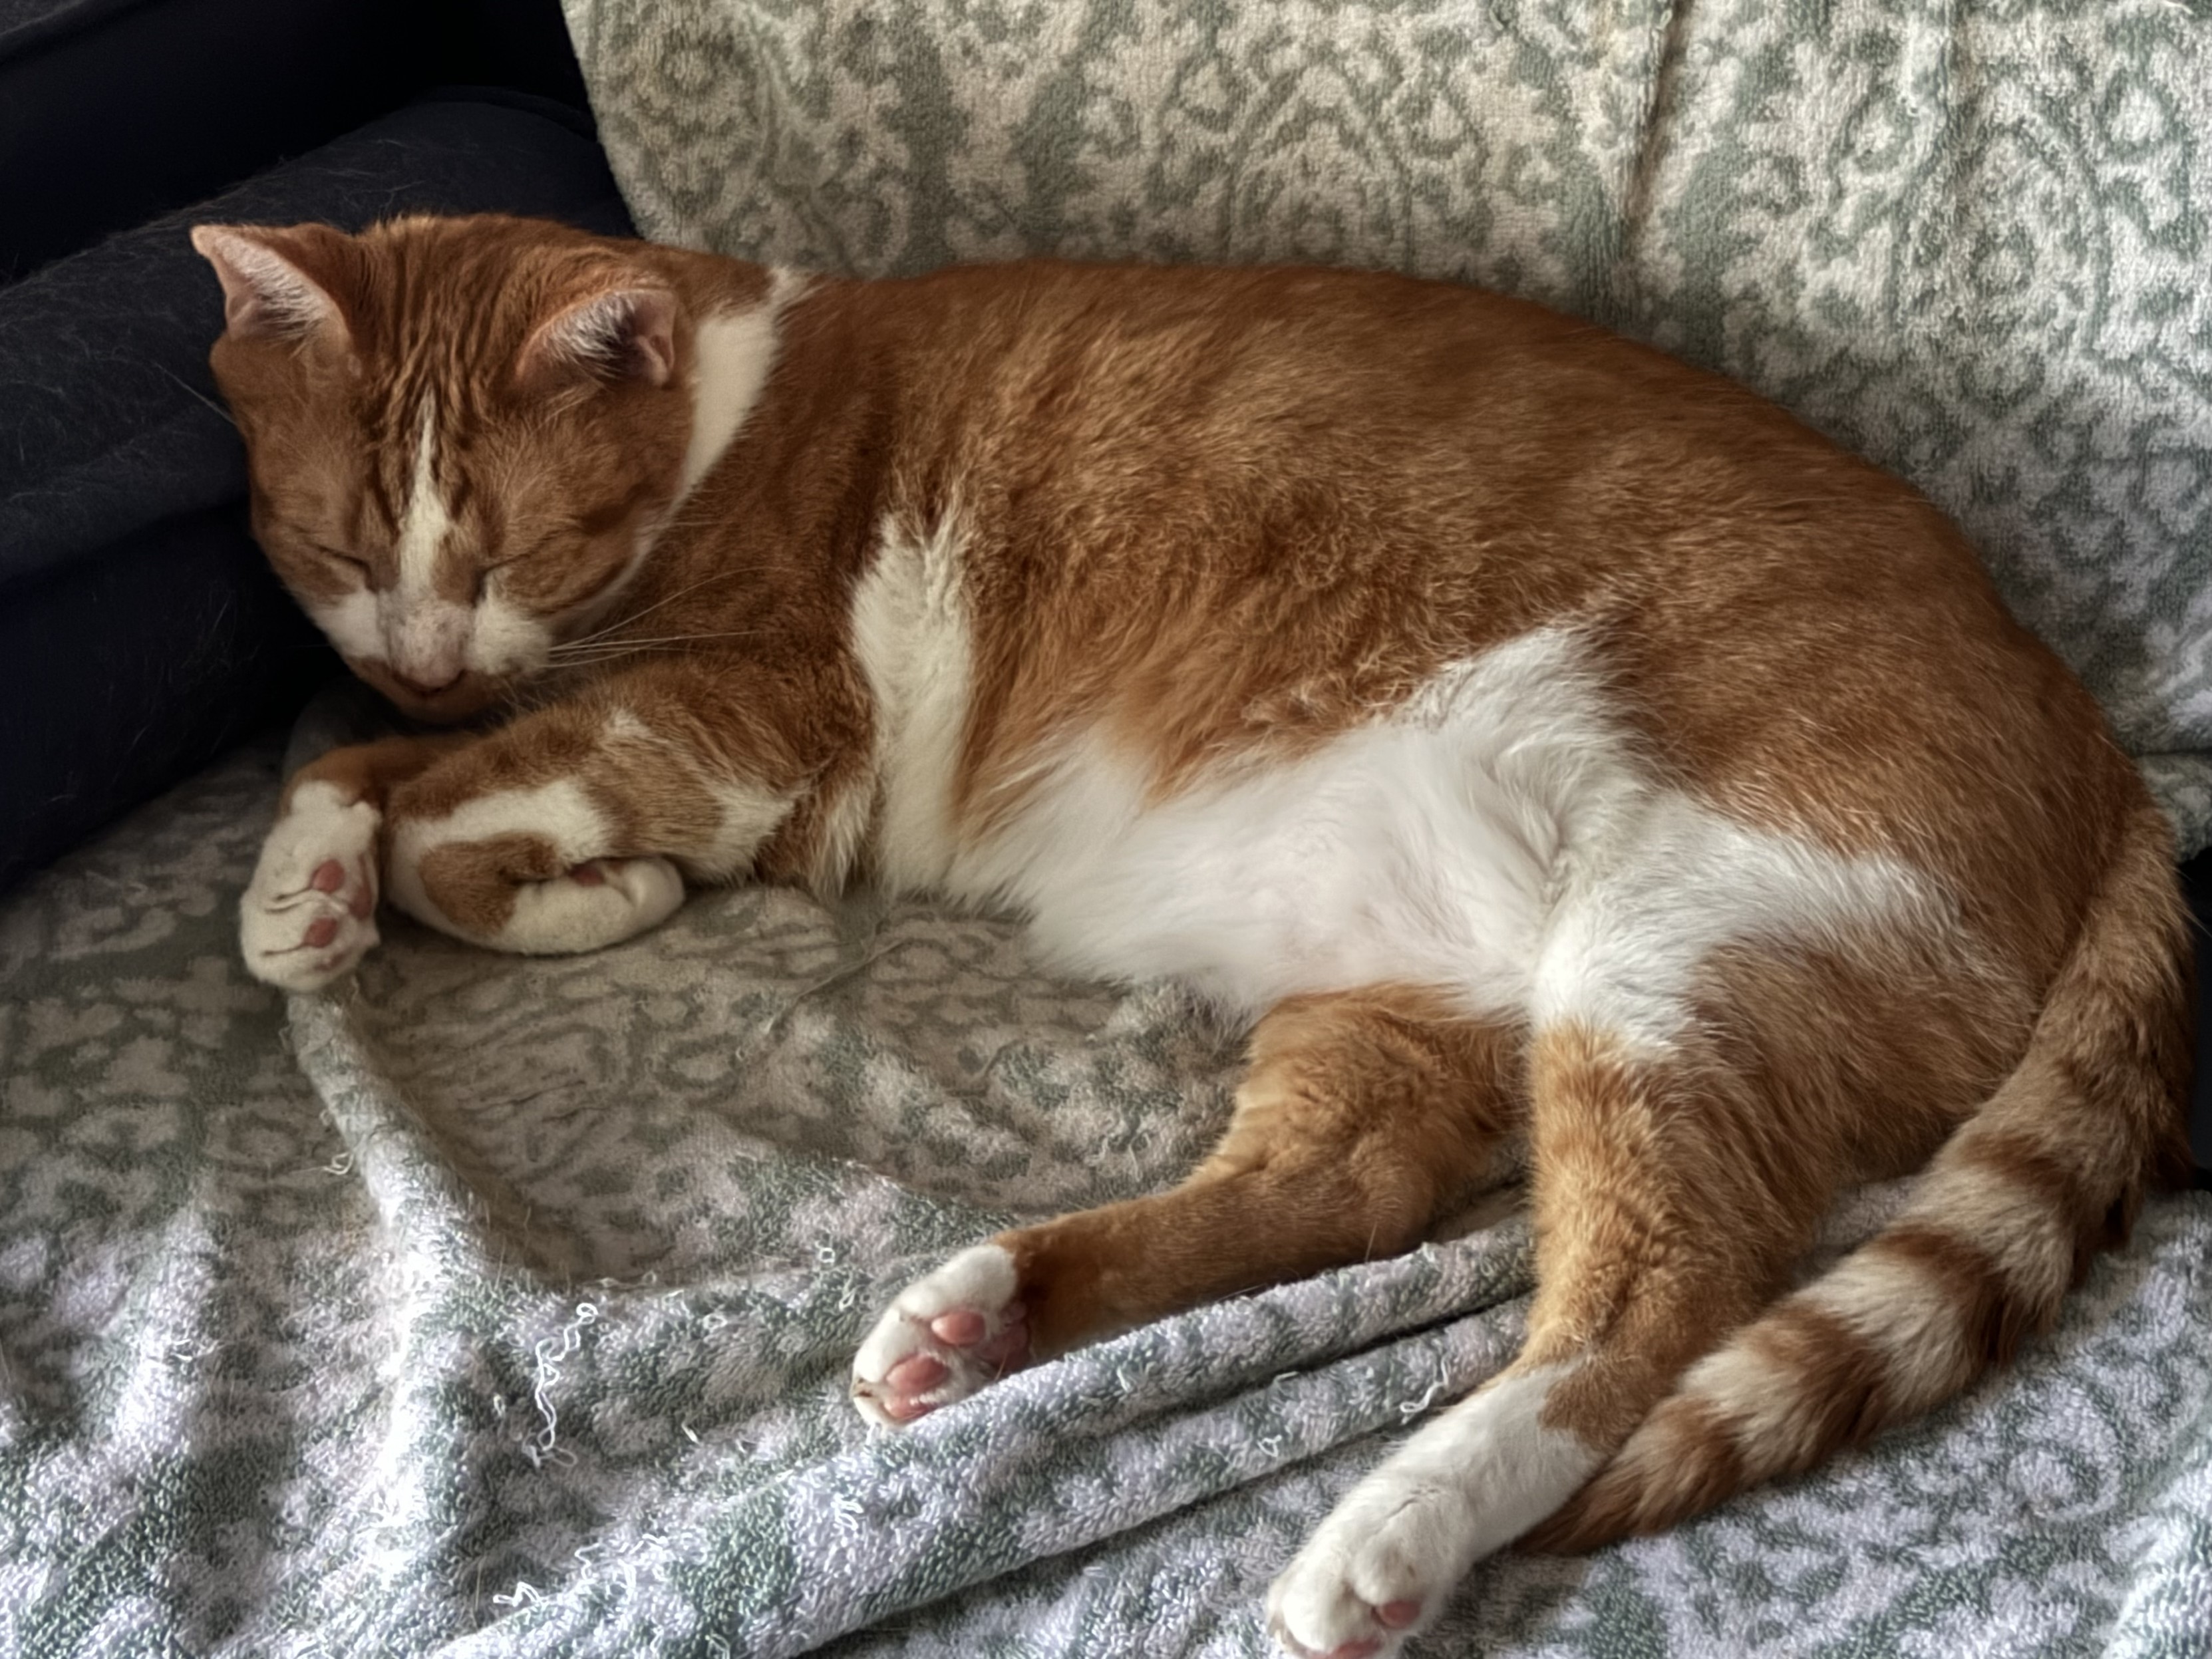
x=309, y=913
x=1367, y=1578
x=948, y=1334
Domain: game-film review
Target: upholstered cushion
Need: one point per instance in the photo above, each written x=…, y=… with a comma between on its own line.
x=113, y=111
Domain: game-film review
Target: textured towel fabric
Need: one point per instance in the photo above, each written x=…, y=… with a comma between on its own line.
x=1970, y=242
x=529, y=1335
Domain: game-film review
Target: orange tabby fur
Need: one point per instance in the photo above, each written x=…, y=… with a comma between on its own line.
x=1210, y=522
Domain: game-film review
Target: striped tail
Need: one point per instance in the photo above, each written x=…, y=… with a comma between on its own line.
x=2049, y=1171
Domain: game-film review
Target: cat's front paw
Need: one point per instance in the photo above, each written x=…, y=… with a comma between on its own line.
x=597, y=903
x=1377, y=1568
x=309, y=913
x=947, y=1334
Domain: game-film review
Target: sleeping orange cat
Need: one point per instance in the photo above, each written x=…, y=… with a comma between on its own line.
x=1544, y=745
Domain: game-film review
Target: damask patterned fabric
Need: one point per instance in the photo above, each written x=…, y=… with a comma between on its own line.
x=1969, y=241
x=525, y=1330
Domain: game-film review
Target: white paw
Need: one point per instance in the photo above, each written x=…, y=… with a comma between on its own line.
x=947, y=1334
x=310, y=911
x=598, y=904
x=1379, y=1568
x=595, y=904
x=1388, y=1556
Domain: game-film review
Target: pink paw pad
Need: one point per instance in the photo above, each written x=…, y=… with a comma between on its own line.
x=917, y=1376
x=949, y=1334
x=909, y=1386
x=963, y=1327
x=309, y=914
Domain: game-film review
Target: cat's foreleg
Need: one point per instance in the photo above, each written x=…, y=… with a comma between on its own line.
x=309, y=913
x=574, y=826
x=1363, y=1116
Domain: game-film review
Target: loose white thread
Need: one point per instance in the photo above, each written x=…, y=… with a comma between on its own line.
x=544, y=1447
x=1413, y=1408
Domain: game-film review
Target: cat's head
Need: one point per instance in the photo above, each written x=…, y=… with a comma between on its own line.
x=463, y=434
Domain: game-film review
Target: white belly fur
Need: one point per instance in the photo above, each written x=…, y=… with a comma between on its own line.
x=1497, y=838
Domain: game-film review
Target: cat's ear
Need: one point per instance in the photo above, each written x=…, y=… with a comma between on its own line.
x=623, y=332
x=268, y=290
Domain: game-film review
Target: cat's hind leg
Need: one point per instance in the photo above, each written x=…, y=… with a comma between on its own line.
x=1667, y=1206
x=1363, y=1116
x=309, y=913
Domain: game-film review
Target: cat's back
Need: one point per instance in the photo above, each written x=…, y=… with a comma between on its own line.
x=1283, y=424
x=1230, y=366
x=1213, y=510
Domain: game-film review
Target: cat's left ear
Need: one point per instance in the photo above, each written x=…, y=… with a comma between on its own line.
x=270, y=287
x=625, y=332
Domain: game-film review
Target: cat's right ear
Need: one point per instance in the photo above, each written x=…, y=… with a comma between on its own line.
x=268, y=290
x=625, y=331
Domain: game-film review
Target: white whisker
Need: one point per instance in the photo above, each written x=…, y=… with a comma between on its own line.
x=593, y=648
x=662, y=639
x=670, y=599
x=665, y=599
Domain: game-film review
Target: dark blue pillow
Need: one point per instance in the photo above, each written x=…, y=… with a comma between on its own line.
x=113, y=110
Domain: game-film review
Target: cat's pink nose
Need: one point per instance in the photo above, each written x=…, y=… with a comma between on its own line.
x=424, y=687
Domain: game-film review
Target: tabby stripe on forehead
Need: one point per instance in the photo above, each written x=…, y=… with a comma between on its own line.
x=423, y=530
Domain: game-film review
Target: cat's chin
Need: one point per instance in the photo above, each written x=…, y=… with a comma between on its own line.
x=450, y=705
